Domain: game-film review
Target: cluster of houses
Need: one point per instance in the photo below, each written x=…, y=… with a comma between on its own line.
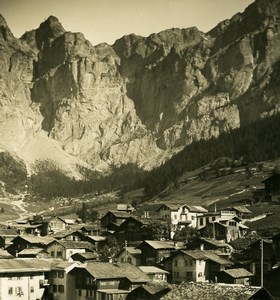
x=58, y=258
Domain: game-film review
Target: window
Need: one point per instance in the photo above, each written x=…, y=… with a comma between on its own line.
x=79, y=280
x=176, y=274
x=18, y=278
x=52, y=253
x=10, y=291
x=175, y=263
x=201, y=221
x=175, y=217
x=61, y=288
x=193, y=217
x=32, y=289
x=189, y=276
x=186, y=262
x=190, y=262
x=54, y=288
x=54, y=274
x=80, y=292
x=59, y=254
x=31, y=277
x=129, y=260
x=61, y=274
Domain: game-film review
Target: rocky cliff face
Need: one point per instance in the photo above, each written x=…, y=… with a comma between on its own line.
x=141, y=99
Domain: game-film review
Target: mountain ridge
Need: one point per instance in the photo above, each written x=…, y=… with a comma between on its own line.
x=139, y=100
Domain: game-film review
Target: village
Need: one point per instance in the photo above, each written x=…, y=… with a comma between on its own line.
x=178, y=248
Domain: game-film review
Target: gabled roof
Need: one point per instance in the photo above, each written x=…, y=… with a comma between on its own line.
x=8, y=232
x=32, y=239
x=196, y=208
x=154, y=288
x=21, y=265
x=31, y=251
x=173, y=207
x=104, y=270
x=75, y=244
x=118, y=214
x=238, y=273
x=96, y=238
x=131, y=250
x=241, y=209
x=65, y=233
x=159, y=244
x=5, y=254
x=86, y=255
x=152, y=270
x=203, y=255
x=214, y=242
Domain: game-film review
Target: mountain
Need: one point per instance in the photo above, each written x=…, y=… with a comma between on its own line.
x=139, y=100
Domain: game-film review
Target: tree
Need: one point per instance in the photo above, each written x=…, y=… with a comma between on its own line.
x=186, y=234
x=158, y=230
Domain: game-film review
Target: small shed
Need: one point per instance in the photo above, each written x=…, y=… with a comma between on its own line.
x=235, y=276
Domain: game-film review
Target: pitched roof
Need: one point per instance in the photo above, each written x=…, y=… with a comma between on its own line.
x=103, y=270
x=154, y=288
x=197, y=208
x=32, y=239
x=242, y=209
x=5, y=254
x=86, y=255
x=214, y=242
x=31, y=251
x=76, y=244
x=238, y=273
x=8, y=232
x=24, y=265
x=205, y=255
x=152, y=270
x=160, y=244
x=119, y=214
x=96, y=238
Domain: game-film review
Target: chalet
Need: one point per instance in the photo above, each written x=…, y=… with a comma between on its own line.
x=227, y=227
x=130, y=255
x=24, y=278
x=27, y=242
x=131, y=229
x=272, y=187
x=235, y=276
x=69, y=235
x=153, y=252
x=242, y=212
x=194, y=265
x=204, y=243
x=34, y=229
x=62, y=285
x=205, y=219
x=156, y=274
x=180, y=215
x=65, y=249
x=91, y=229
x=149, y=291
x=105, y=281
x=96, y=240
x=113, y=219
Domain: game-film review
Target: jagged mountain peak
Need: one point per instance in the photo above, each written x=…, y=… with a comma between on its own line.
x=5, y=32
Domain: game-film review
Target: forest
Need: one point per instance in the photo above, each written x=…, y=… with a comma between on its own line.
x=256, y=142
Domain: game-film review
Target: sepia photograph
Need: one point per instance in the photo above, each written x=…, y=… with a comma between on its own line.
x=140, y=150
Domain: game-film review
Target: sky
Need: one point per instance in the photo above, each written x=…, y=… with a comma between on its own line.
x=109, y=20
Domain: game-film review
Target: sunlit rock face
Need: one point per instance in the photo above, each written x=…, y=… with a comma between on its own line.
x=140, y=100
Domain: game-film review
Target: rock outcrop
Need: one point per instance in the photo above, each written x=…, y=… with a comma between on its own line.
x=143, y=98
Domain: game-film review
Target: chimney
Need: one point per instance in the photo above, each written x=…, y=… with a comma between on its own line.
x=201, y=246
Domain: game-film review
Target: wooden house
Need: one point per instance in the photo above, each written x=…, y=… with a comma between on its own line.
x=113, y=219
x=106, y=281
x=129, y=255
x=235, y=276
x=149, y=291
x=153, y=252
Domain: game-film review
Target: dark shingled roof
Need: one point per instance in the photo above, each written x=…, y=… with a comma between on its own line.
x=238, y=273
x=102, y=270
